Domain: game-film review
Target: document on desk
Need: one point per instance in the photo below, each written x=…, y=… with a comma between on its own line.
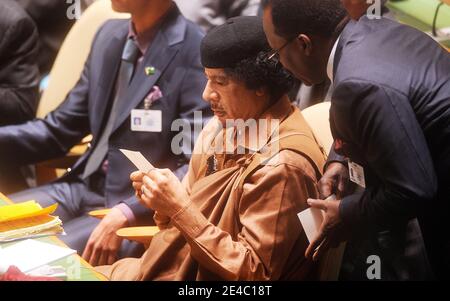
x=311, y=220
x=138, y=160
x=24, y=210
x=30, y=254
x=43, y=225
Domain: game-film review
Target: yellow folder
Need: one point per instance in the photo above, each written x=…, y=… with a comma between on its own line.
x=24, y=210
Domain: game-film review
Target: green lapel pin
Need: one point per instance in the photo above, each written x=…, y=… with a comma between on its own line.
x=150, y=70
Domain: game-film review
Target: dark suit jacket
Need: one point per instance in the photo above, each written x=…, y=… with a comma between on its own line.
x=19, y=75
x=391, y=107
x=53, y=25
x=175, y=54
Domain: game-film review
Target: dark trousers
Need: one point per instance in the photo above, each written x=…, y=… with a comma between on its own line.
x=435, y=227
x=402, y=254
x=75, y=199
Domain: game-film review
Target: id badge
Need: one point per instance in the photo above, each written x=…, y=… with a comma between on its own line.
x=146, y=121
x=357, y=174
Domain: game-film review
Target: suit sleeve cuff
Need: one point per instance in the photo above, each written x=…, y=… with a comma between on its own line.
x=143, y=215
x=190, y=220
x=349, y=209
x=128, y=213
x=334, y=157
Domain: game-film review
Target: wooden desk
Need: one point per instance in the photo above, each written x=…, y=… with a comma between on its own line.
x=85, y=273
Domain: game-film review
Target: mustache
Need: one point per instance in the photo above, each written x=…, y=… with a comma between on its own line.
x=216, y=108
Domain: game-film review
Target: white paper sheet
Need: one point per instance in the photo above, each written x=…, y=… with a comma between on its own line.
x=312, y=219
x=30, y=254
x=138, y=160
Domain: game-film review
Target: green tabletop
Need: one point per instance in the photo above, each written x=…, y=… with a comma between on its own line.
x=420, y=14
x=76, y=268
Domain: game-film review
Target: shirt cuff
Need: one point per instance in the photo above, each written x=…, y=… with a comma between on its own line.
x=334, y=157
x=190, y=220
x=128, y=213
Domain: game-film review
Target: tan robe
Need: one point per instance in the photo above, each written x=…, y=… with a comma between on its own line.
x=238, y=225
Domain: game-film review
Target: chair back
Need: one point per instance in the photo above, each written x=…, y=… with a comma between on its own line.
x=73, y=54
x=318, y=117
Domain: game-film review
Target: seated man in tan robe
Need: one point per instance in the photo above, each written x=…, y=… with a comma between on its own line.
x=234, y=217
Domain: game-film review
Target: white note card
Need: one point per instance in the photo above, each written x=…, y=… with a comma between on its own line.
x=311, y=220
x=30, y=254
x=138, y=160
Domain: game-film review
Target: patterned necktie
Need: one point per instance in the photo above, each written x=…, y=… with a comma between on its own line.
x=129, y=58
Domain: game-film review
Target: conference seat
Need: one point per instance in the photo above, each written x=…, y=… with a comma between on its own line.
x=64, y=75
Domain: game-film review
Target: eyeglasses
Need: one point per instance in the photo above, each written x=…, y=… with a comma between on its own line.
x=274, y=55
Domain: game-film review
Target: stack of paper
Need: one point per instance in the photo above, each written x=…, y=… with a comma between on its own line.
x=28, y=220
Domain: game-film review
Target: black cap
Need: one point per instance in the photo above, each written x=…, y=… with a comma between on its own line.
x=228, y=44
